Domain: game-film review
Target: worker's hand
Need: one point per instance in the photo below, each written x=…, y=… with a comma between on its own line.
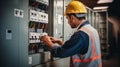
x=55, y=40
x=46, y=39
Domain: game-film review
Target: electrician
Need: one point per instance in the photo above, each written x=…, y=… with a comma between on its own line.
x=84, y=46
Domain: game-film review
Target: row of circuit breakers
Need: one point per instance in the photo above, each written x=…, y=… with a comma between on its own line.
x=38, y=16
x=43, y=1
x=34, y=37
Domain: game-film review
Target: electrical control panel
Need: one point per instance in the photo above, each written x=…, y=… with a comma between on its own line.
x=38, y=21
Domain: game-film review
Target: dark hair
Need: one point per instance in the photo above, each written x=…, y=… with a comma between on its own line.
x=78, y=15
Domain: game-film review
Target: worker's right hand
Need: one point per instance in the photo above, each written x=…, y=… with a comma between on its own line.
x=46, y=39
x=54, y=40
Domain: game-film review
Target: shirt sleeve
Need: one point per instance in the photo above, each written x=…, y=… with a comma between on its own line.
x=77, y=44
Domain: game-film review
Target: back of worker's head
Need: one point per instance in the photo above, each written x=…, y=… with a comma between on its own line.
x=77, y=9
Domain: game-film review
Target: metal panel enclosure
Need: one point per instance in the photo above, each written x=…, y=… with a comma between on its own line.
x=13, y=34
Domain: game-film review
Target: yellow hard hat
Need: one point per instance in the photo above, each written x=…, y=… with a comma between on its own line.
x=75, y=7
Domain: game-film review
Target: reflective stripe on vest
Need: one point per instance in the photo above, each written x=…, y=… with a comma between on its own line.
x=95, y=56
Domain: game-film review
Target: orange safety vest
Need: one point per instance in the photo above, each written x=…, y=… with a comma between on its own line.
x=93, y=56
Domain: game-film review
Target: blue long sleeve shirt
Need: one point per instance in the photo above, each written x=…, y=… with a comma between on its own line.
x=77, y=44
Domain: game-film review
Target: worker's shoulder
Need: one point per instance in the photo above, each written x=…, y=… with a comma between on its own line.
x=80, y=33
